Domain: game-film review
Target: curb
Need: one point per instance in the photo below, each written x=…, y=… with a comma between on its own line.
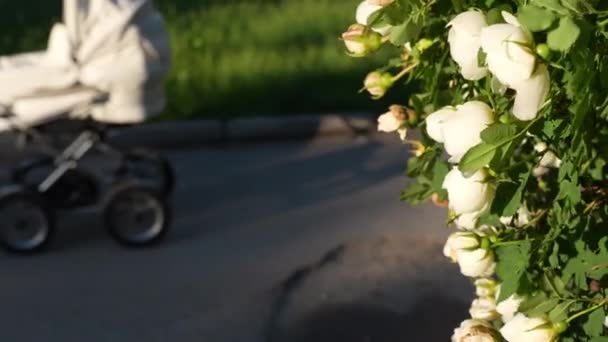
x=176, y=134
x=199, y=132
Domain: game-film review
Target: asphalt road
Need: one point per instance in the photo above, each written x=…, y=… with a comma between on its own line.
x=246, y=217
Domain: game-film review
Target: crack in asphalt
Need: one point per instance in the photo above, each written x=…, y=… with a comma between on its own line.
x=293, y=282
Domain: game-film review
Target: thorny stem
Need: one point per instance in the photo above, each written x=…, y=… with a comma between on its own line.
x=404, y=72
x=537, y=218
x=589, y=310
x=597, y=267
x=508, y=243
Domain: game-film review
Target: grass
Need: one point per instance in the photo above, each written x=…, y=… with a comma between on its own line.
x=237, y=57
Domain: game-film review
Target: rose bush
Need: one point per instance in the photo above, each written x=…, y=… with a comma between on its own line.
x=515, y=92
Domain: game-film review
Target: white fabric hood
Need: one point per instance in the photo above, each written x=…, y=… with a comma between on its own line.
x=119, y=47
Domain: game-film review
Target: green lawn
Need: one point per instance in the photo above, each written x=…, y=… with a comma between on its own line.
x=237, y=57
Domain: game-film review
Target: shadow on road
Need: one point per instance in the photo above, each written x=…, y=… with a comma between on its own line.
x=432, y=319
x=264, y=181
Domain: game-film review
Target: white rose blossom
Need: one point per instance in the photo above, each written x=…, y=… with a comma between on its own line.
x=459, y=241
x=548, y=161
x=477, y=263
x=434, y=122
x=474, y=330
x=468, y=195
x=464, y=38
x=459, y=128
x=393, y=121
x=366, y=9
x=522, y=328
x=520, y=219
x=465, y=249
x=484, y=308
x=508, y=307
x=531, y=94
x=485, y=287
x=510, y=59
x=467, y=221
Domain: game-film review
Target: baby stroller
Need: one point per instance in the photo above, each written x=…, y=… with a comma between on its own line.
x=104, y=66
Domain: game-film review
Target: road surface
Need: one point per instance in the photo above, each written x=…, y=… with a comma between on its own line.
x=246, y=217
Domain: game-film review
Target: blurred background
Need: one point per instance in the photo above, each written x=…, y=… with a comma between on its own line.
x=277, y=57
x=295, y=240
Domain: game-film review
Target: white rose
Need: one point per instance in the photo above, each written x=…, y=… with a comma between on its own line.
x=531, y=94
x=508, y=51
x=465, y=249
x=468, y=195
x=508, y=307
x=519, y=220
x=434, y=122
x=510, y=58
x=468, y=221
x=365, y=10
x=477, y=263
x=459, y=241
x=393, y=121
x=458, y=128
x=485, y=287
x=484, y=308
x=474, y=330
x=549, y=160
x=522, y=328
x=465, y=41
x=606, y=322
x=541, y=147
x=461, y=130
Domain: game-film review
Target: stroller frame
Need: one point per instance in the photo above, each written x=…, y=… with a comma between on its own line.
x=65, y=185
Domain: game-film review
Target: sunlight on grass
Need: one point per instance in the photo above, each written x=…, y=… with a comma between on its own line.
x=237, y=57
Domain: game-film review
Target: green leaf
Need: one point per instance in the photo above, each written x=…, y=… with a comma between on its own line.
x=543, y=308
x=498, y=133
x=532, y=302
x=416, y=193
x=560, y=312
x=578, y=6
x=477, y=157
x=440, y=169
x=564, y=36
x=394, y=14
x=554, y=284
x=586, y=264
x=512, y=263
x=494, y=16
x=569, y=190
x=508, y=197
x=599, y=339
x=595, y=323
x=554, y=5
x=405, y=32
x=536, y=19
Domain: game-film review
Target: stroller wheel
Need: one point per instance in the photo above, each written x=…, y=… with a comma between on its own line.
x=150, y=168
x=136, y=216
x=26, y=223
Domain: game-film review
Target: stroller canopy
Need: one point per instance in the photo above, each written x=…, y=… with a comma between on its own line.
x=118, y=48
